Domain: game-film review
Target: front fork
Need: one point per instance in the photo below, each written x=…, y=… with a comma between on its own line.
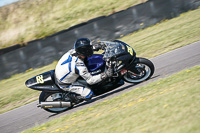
x=134, y=69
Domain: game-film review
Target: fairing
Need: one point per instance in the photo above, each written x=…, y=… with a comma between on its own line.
x=116, y=49
x=95, y=64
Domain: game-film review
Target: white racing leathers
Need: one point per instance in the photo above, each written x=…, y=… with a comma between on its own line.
x=67, y=71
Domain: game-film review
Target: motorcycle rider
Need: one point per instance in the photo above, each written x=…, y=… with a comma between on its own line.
x=72, y=65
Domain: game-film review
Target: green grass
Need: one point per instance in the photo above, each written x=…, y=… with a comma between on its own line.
x=148, y=43
x=167, y=105
x=32, y=19
x=167, y=35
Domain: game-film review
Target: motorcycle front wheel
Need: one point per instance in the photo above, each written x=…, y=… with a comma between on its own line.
x=49, y=97
x=145, y=70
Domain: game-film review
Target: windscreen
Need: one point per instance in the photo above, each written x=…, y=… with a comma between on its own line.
x=113, y=49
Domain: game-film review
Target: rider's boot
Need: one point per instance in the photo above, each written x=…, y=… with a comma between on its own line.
x=76, y=98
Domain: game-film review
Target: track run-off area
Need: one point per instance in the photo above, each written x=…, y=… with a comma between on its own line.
x=28, y=116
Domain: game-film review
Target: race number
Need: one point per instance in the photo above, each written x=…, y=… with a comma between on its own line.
x=40, y=79
x=130, y=50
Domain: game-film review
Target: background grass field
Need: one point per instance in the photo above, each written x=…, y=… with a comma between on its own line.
x=150, y=42
x=169, y=105
x=32, y=19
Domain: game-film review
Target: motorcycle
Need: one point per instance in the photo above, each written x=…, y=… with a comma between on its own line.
x=117, y=54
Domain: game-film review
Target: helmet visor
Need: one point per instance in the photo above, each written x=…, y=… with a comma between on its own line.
x=85, y=51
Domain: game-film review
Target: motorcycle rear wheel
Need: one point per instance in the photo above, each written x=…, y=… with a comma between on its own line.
x=49, y=97
x=145, y=68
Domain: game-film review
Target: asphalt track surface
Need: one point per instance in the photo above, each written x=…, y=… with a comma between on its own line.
x=166, y=64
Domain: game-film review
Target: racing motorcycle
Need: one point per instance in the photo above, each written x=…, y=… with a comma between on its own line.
x=117, y=54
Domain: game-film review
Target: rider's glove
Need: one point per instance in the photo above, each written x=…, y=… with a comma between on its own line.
x=107, y=73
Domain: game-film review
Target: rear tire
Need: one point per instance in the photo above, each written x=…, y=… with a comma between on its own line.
x=48, y=96
x=145, y=68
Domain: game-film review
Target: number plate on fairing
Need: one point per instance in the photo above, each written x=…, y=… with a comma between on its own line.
x=124, y=71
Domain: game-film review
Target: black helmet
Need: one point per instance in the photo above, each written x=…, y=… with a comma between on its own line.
x=83, y=47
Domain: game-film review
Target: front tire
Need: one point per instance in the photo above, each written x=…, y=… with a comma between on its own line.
x=52, y=96
x=145, y=69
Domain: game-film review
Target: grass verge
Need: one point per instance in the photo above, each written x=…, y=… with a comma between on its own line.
x=148, y=43
x=167, y=105
x=40, y=18
x=167, y=35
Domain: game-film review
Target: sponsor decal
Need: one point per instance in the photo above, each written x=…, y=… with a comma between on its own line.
x=48, y=106
x=124, y=71
x=84, y=72
x=80, y=64
x=95, y=72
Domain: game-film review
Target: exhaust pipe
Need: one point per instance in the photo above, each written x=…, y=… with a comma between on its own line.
x=55, y=104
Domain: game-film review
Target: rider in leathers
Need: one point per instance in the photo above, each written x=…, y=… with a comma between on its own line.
x=71, y=66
